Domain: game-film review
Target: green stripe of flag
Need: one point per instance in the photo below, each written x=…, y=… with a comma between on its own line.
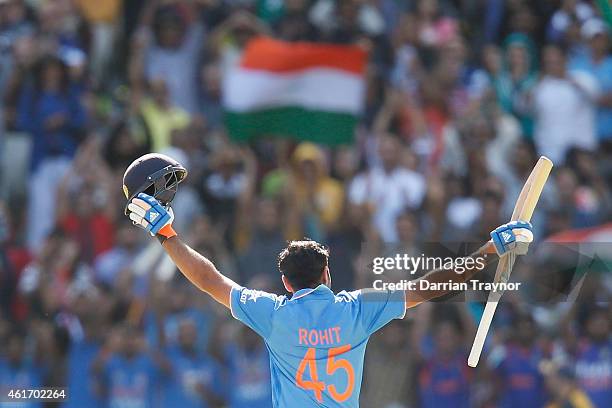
x=317, y=126
x=606, y=10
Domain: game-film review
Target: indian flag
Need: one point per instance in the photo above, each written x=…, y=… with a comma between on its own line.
x=302, y=90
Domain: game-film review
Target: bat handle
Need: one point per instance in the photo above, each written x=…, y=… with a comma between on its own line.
x=481, y=334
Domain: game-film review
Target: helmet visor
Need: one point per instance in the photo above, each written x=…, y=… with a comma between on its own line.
x=162, y=185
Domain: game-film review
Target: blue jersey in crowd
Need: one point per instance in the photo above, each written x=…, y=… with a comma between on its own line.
x=171, y=323
x=131, y=383
x=190, y=373
x=80, y=383
x=249, y=377
x=524, y=383
x=601, y=70
x=24, y=376
x=594, y=372
x=445, y=383
x=35, y=108
x=316, y=340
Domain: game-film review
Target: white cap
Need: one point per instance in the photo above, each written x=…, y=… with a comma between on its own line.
x=592, y=27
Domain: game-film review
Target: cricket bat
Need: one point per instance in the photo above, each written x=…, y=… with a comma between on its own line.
x=523, y=210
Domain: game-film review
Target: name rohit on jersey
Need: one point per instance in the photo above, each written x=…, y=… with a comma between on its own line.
x=319, y=337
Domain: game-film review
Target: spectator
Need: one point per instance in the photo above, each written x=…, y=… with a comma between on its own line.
x=443, y=379
x=51, y=111
x=224, y=186
x=517, y=79
x=389, y=367
x=598, y=62
x=15, y=30
x=519, y=376
x=15, y=21
x=126, y=374
x=18, y=370
x=102, y=18
x=212, y=241
x=265, y=241
x=345, y=20
x=160, y=116
x=180, y=306
x=230, y=37
x=85, y=346
x=564, y=103
x=129, y=139
x=435, y=29
x=110, y=263
x=89, y=222
x=564, y=390
x=580, y=200
x=249, y=371
x=314, y=199
x=169, y=45
x=48, y=280
x=593, y=362
x=388, y=188
x=346, y=243
x=570, y=11
x=195, y=378
x=188, y=200
x=294, y=24
x=210, y=98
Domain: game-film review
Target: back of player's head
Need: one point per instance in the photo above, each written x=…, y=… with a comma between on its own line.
x=303, y=263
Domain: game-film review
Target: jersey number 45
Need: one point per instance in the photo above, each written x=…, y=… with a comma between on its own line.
x=309, y=362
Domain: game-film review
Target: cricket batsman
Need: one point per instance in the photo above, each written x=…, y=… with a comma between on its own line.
x=316, y=339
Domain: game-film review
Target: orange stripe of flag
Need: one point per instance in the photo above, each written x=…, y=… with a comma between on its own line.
x=267, y=54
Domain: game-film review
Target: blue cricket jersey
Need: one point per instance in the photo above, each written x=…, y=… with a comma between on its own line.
x=25, y=376
x=523, y=380
x=188, y=373
x=79, y=381
x=131, y=383
x=316, y=340
x=445, y=384
x=594, y=372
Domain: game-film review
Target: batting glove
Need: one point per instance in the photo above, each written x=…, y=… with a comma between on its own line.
x=513, y=237
x=147, y=213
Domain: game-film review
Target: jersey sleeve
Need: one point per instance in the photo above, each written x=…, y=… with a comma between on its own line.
x=254, y=308
x=379, y=307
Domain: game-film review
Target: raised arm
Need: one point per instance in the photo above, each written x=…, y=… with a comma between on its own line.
x=514, y=236
x=148, y=213
x=199, y=270
x=417, y=296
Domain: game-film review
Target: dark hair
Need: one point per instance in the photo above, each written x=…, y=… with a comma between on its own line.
x=43, y=64
x=302, y=263
x=166, y=16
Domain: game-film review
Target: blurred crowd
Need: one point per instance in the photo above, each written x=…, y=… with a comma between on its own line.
x=461, y=98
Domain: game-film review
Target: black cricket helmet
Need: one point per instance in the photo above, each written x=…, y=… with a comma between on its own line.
x=154, y=174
